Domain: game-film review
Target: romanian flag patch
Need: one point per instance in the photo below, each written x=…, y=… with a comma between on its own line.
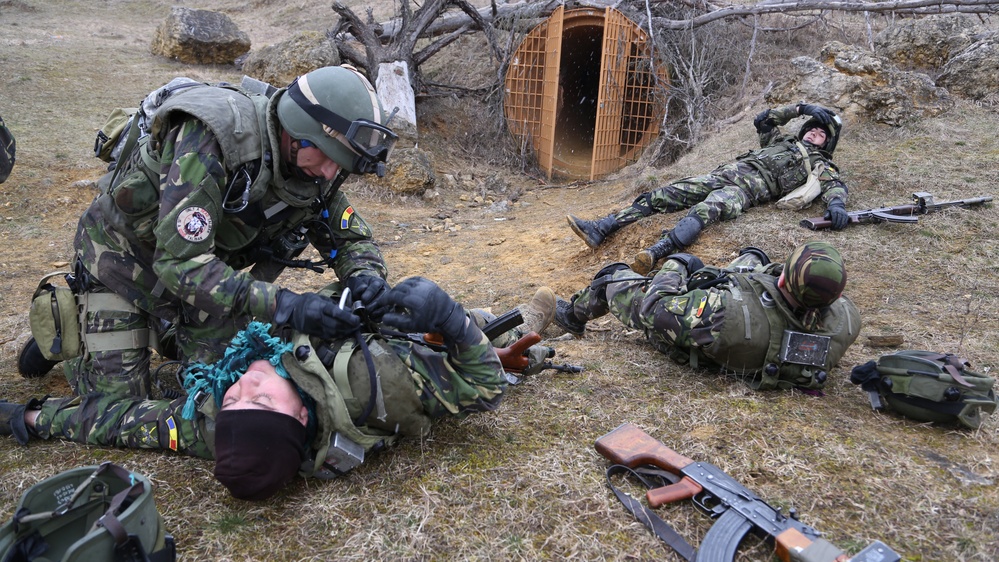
x=345, y=218
x=172, y=426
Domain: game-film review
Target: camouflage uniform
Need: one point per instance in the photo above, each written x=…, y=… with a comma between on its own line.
x=735, y=327
x=192, y=207
x=756, y=177
x=456, y=382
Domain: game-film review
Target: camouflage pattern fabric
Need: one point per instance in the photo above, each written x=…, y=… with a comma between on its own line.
x=815, y=274
x=732, y=188
x=172, y=251
x=457, y=382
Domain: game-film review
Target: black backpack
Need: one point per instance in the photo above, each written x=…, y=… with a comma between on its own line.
x=7, y=146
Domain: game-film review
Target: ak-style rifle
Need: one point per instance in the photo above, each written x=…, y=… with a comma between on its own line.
x=736, y=510
x=922, y=203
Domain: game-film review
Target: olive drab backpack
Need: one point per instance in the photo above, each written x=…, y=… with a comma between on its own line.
x=929, y=387
x=86, y=514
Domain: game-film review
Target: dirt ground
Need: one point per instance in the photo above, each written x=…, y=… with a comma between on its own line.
x=524, y=482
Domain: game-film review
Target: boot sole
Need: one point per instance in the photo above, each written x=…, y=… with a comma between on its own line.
x=581, y=234
x=644, y=262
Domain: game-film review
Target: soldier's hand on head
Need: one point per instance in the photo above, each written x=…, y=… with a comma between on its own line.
x=419, y=305
x=837, y=215
x=825, y=116
x=763, y=123
x=315, y=315
x=370, y=290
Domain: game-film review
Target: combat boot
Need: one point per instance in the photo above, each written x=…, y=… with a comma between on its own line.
x=645, y=261
x=31, y=363
x=594, y=232
x=12, y=419
x=683, y=234
x=566, y=318
x=539, y=312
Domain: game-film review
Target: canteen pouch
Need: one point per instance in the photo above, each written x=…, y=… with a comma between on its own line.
x=55, y=319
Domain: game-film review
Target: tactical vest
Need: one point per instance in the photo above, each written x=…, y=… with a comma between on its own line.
x=758, y=329
x=782, y=165
x=257, y=211
x=339, y=380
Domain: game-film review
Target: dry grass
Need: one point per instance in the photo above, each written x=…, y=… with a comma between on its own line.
x=524, y=483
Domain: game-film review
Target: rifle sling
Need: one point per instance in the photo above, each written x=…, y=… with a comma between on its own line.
x=647, y=517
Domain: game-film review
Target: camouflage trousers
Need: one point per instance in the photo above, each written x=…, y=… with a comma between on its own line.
x=670, y=316
x=722, y=195
x=125, y=371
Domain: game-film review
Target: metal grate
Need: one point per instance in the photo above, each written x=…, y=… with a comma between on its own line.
x=628, y=110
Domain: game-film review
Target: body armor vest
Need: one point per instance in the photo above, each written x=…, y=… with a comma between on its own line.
x=782, y=165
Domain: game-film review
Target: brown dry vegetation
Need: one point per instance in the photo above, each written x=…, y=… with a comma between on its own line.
x=524, y=482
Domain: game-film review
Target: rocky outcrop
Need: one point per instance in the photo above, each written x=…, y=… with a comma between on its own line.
x=974, y=72
x=281, y=63
x=925, y=43
x=199, y=37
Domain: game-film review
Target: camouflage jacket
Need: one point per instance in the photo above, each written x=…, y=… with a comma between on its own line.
x=781, y=162
x=204, y=197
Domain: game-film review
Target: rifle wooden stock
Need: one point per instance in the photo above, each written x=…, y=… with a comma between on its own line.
x=512, y=357
x=738, y=510
x=630, y=446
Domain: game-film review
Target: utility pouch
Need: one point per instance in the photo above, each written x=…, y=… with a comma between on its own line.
x=804, y=349
x=55, y=319
x=109, y=136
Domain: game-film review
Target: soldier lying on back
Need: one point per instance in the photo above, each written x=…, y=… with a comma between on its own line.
x=782, y=164
x=275, y=407
x=776, y=325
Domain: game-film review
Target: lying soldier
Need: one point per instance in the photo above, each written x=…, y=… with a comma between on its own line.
x=775, y=325
x=274, y=406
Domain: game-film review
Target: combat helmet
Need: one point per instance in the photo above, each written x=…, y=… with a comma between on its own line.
x=833, y=130
x=336, y=109
x=814, y=274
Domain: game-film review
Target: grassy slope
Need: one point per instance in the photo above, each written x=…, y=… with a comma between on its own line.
x=524, y=481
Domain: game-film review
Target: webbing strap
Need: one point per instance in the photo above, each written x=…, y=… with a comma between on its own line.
x=340, y=374
x=106, y=341
x=661, y=529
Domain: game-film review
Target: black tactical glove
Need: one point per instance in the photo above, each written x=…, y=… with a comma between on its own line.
x=419, y=305
x=825, y=116
x=368, y=289
x=314, y=315
x=866, y=375
x=763, y=123
x=12, y=419
x=837, y=215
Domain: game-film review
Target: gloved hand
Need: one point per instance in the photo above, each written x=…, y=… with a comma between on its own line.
x=836, y=214
x=369, y=290
x=763, y=123
x=12, y=419
x=419, y=305
x=825, y=116
x=315, y=315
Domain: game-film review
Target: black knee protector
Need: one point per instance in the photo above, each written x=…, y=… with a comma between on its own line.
x=605, y=276
x=686, y=231
x=764, y=258
x=643, y=204
x=689, y=261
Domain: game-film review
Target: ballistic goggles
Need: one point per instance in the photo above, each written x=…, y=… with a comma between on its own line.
x=371, y=141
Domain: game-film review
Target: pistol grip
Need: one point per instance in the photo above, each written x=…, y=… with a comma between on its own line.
x=682, y=490
x=512, y=357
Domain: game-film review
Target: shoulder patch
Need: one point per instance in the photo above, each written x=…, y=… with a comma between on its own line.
x=345, y=218
x=194, y=224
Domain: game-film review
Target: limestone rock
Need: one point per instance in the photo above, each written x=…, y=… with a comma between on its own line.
x=925, y=43
x=199, y=37
x=974, y=72
x=409, y=172
x=281, y=63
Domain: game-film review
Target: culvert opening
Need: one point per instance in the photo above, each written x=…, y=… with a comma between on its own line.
x=582, y=94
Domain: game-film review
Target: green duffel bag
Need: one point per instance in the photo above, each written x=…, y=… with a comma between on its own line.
x=928, y=386
x=92, y=513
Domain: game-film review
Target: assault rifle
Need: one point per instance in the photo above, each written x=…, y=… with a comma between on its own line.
x=737, y=510
x=922, y=203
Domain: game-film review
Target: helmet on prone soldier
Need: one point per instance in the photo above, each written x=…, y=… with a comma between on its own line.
x=336, y=109
x=814, y=274
x=832, y=131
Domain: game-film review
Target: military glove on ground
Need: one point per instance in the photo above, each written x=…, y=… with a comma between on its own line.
x=419, y=305
x=315, y=315
x=837, y=215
